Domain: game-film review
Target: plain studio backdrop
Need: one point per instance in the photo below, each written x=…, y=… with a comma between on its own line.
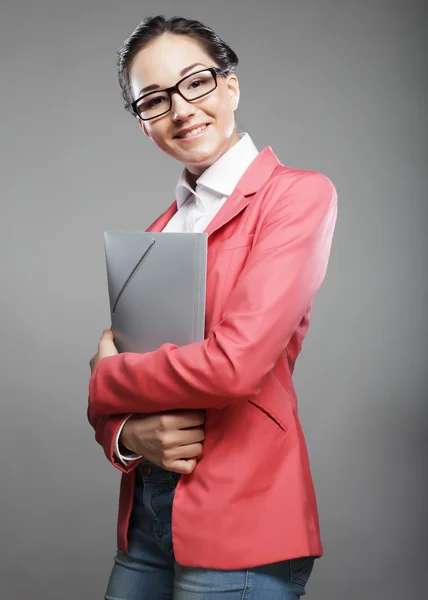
x=335, y=86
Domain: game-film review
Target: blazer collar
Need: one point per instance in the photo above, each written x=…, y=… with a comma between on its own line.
x=251, y=181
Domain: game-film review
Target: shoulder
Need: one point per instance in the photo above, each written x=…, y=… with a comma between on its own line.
x=288, y=187
x=287, y=178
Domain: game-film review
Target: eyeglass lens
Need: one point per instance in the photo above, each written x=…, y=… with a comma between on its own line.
x=192, y=87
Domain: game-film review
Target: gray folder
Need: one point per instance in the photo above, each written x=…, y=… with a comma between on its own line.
x=156, y=283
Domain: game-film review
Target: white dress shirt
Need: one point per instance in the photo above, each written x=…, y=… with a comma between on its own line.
x=197, y=207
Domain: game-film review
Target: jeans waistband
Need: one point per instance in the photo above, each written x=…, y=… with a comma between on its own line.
x=148, y=471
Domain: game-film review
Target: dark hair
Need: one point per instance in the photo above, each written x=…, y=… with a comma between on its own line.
x=153, y=27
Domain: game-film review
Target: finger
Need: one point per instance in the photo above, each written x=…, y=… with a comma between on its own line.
x=189, y=451
x=107, y=334
x=185, y=467
x=106, y=344
x=189, y=436
x=172, y=421
x=194, y=418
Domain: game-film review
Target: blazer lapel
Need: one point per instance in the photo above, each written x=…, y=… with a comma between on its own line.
x=165, y=217
x=236, y=202
x=251, y=181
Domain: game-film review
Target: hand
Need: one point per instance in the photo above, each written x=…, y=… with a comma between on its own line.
x=106, y=347
x=171, y=440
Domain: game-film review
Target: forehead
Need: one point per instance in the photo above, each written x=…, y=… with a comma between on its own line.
x=161, y=61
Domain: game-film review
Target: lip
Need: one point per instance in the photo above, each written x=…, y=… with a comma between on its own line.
x=193, y=137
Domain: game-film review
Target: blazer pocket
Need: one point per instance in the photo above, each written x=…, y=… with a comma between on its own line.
x=236, y=241
x=268, y=414
x=228, y=260
x=274, y=403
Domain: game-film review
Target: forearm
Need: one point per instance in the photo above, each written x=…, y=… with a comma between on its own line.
x=274, y=291
x=124, y=454
x=107, y=430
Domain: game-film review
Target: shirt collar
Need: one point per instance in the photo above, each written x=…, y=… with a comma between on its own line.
x=221, y=177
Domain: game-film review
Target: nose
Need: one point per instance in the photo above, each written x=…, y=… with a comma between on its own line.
x=181, y=109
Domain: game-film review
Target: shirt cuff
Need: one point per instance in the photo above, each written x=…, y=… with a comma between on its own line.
x=122, y=457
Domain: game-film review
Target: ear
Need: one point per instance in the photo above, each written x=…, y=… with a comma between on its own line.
x=142, y=126
x=233, y=89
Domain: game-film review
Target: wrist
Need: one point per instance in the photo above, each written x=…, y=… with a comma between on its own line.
x=122, y=441
x=123, y=448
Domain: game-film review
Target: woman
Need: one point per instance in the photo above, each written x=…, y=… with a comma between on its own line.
x=207, y=435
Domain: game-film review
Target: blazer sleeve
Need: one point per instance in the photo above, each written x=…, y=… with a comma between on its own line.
x=276, y=287
x=106, y=429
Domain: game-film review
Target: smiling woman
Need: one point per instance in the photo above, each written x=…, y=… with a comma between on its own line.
x=208, y=509
x=164, y=55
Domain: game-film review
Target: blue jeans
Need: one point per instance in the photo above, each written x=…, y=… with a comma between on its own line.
x=148, y=571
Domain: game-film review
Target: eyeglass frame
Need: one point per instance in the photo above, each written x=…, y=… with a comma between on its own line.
x=174, y=88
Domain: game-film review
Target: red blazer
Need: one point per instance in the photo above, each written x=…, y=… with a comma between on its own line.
x=250, y=500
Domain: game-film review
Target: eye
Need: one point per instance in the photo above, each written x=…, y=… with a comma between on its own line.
x=196, y=83
x=154, y=102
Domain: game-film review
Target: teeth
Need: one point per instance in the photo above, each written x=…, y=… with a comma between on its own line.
x=193, y=132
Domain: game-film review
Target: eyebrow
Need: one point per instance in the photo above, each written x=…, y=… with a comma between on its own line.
x=154, y=86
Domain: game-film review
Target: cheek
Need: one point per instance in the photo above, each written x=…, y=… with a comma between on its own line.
x=218, y=107
x=158, y=135
x=224, y=112
x=225, y=123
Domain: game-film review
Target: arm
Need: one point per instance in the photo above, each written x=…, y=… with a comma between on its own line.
x=129, y=456
x=107, y=431
x=283, y=271
x=171, y=440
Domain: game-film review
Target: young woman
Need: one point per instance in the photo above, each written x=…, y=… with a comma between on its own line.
x=217, y=499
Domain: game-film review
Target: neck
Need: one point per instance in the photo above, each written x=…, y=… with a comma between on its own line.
x=191, y=178
x=194, y=173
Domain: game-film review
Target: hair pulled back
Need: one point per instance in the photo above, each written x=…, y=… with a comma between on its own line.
x=153, y=27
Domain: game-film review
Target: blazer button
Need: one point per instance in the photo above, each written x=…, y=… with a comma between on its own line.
x=146, y=470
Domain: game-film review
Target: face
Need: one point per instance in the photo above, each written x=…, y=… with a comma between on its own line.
x=162, y=63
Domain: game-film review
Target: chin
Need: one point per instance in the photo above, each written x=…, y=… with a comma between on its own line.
x=201, y=163
x=204, y=153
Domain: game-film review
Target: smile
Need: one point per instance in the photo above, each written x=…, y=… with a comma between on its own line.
x=195, y=133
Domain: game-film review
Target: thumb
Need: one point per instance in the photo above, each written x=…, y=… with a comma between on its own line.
x=185, y=466
x=107, y=334
x=106, y=342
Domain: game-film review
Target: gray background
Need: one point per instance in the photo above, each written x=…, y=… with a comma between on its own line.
x=335, y=86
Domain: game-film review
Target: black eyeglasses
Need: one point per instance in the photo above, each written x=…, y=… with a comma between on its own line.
x=193, y=86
